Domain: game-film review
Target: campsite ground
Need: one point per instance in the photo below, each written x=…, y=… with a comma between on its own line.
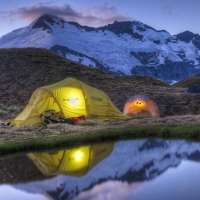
x=31, y=138
x=24, y=70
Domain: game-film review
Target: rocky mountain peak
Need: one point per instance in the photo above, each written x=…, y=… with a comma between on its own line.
x=188, y=36
x=185, y=36
x=46, y=20
x=140, y=26
x=123, y=27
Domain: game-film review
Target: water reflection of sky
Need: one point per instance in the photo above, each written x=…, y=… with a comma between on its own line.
x=112, y=190
x=176, y=183
x=9, y=193
x=137, y=169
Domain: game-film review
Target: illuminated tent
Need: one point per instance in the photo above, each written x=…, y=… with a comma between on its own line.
x=141, y=105
x=73, y=98
x=74, y=162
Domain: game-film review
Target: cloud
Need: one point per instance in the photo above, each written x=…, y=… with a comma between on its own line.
x=112, y=190
x=101, y=15
x=90, y=16
x=167, y=9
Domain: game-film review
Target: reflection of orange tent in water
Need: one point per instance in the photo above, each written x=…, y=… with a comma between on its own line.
x=141, y=105
x=74, y=162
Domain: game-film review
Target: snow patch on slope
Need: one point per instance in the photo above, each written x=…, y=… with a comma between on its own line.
x=120, y=46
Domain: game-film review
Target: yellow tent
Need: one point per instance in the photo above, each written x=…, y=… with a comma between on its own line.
x=141, y=105
x=74, y=162
x=73, y=98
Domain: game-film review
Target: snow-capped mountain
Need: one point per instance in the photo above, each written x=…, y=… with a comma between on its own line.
x=130, y=163
x=121, y=48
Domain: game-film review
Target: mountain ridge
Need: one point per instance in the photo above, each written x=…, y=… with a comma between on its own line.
x=123, y=48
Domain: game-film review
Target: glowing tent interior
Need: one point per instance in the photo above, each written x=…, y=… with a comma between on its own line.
x=73, y=98
x=141, y=105
x=73, y=162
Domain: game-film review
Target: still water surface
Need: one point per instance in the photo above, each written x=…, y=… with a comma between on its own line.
x=124, y=170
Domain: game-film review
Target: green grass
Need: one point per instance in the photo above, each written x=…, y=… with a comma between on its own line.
x=186, y=131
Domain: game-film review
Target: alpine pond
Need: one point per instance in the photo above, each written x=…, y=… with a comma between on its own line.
x=122, y=170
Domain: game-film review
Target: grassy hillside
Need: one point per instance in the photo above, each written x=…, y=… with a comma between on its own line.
x=24, y=70
x=188, y=81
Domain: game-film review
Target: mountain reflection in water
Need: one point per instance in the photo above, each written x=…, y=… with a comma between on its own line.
x=122, y=171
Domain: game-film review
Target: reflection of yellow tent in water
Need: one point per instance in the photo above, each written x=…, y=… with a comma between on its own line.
x=74, y=162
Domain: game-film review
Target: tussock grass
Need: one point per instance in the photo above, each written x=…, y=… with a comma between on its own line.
x=9, y=112
x=18, y=139
x=68, y=138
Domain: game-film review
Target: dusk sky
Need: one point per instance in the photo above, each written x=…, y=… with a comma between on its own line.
x=174, y=16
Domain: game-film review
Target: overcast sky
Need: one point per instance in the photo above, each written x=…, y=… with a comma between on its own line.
x=174, y=16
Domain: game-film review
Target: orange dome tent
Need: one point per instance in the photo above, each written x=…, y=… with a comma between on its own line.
x=141, y=105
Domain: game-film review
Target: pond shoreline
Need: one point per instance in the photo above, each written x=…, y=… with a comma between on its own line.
x=20, y=139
